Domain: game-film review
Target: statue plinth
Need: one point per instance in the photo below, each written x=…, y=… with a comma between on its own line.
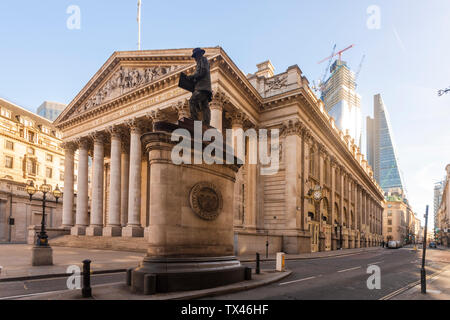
x=190, y=237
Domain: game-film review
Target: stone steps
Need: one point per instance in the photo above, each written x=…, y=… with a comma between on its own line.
x=103, y=243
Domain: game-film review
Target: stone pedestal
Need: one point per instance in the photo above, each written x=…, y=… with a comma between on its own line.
x=41, y=256
x=132, y=231
x=78, y=231
x=94, y=231
x=112, y=231
x=190, y=237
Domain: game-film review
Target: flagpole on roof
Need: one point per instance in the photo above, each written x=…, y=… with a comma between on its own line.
x=139, y=24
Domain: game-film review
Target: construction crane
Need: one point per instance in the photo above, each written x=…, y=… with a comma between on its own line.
x=359, y=70
x=444, y=91
x=339, y=53
x=320, y=85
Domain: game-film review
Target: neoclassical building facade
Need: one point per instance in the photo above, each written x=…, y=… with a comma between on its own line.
x=135, y=89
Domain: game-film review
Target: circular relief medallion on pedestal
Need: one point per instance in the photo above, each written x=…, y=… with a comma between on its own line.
x=206, y=200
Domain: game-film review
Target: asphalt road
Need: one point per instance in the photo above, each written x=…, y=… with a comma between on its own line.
x=345, y=278
x=342, y=278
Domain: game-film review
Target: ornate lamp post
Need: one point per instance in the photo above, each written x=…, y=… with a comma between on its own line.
x=42, y=253
x=45, y=188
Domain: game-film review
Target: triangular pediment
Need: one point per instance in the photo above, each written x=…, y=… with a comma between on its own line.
x=124, y=80
x=125, y=72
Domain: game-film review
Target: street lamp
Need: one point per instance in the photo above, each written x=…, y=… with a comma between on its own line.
x=45, y=188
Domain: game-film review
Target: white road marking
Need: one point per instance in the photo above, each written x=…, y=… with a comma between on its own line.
x=349, y=269
x=374, y=263
x=309, y=278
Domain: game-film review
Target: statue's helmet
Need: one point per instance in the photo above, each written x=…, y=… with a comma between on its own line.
x=197, y=51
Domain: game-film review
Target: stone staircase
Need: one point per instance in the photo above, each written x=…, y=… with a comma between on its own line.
x=103, y=243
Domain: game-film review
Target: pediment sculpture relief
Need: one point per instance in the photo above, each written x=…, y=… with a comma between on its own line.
x=123, y=81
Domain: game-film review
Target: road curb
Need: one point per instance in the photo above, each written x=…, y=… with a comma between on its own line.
x=309, y=258
x=238, y=288
x=412, y=285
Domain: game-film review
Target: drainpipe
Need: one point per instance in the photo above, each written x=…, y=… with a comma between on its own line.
x=10, y=216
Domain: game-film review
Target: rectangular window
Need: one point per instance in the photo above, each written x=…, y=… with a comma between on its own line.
x=30, y=150
x=48, y=172
x=30, y=136
x=9, y=145
x=48, y=157
x=9, y=162
x=61, y=175
x=6, y=113
x=389, y=229
x=31, y=167
x=389, y=213
x=389, y=222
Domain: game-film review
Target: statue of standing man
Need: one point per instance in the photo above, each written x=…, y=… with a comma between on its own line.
x=202, y=93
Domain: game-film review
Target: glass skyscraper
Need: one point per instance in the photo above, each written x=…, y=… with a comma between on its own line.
x=381, y=153
x=341, y=100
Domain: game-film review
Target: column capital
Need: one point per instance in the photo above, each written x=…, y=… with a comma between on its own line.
x=115, y=132
x=83, y=143
x=292, y=127
x=237, y=118
x=98, y=137
x=134, y=125
x=156, y=115
x=182, y=108
x=219, y=99
x=69, y=146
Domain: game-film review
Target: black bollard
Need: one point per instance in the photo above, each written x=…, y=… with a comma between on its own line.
x=267, y=249
x=258, y=271
x=86, y=291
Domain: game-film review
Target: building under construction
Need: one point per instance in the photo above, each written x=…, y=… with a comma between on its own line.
x=341, y=100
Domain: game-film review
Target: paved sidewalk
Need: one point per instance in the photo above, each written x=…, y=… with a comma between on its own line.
x=15, y=260
x=438, y=288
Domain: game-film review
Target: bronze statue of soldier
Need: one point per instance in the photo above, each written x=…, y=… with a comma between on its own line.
x=202, y=93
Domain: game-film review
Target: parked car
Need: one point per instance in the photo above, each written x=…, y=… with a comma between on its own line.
x=394, y=244
x=433, y=244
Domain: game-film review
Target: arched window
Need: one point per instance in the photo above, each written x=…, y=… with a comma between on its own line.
x=311, y=161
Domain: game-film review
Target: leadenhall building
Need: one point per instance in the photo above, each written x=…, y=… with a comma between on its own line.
x=322, y=197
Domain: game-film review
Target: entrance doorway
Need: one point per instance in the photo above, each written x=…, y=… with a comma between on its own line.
x=314, y=231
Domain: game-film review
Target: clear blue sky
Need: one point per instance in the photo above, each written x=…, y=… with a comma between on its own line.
x=407, y=59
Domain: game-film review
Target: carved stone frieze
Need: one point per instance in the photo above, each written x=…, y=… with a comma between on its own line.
x=123, y=81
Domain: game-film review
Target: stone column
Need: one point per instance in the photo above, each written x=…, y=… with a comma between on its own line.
x=113, y=227
x=216, y=115
x=68, y=195
x=124, y=177
x=134, y=228
x=82, y=190
x=216, y=106
x=96, y=226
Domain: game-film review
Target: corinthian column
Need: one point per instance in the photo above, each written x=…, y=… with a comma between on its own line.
x=82, y=190
x=133, y=228
x=68, y=196
x=96, y=226
x=124, y=177
x=113, y=228
x=216, y=106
